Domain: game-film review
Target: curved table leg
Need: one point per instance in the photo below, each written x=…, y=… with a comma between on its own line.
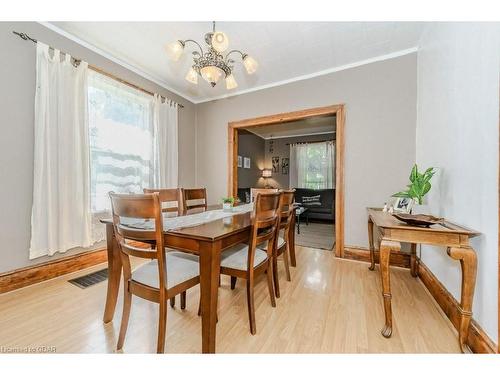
x=468, y=263
x=385, y=255
x=372, y=248
x=114, y=274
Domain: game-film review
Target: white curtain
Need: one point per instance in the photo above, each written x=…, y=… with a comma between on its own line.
x=60, y=218
x=165, y=162
x=312, y=165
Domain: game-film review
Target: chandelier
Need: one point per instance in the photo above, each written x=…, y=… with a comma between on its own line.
x=212, y=64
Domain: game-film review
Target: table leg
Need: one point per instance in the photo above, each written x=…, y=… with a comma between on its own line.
x=291, y=234
x=468, y=263
x=372, y=247
x=385, y=254
x=413, y=260
x=114, y=273
x=209, y=285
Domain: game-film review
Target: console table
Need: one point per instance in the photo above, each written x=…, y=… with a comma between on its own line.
x=393, y=232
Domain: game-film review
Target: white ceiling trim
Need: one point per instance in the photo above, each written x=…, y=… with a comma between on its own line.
x=165, y=85
x=290, y=136
x=316, y=74
x=138, y=71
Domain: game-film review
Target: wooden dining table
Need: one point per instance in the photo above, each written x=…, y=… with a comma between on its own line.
x=207, y=241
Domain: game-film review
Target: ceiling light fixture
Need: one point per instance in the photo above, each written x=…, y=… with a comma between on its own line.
x=211, y=65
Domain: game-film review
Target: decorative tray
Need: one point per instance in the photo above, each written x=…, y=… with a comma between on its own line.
x=419, y=220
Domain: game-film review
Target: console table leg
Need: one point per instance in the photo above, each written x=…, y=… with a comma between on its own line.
x=372, y=248
x=468, y=263
x=413, y=260
x=385, y=255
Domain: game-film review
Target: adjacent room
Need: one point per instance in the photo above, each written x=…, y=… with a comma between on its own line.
x=224, y=187
x=298, y=155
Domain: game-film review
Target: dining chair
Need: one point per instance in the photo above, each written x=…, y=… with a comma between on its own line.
x=282, y=243
x=255, y=191
x=194, y=199
x=247, y=261
x=170, y=199
x=165, y=275
x=171, y=205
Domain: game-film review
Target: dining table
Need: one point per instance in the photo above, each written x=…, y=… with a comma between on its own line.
x=206, y=240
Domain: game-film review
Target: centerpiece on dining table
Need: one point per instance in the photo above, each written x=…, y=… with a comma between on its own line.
x=228, y=203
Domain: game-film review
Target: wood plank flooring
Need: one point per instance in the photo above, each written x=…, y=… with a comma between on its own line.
x=331, y=306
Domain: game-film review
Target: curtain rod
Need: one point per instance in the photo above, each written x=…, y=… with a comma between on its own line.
x=25, y=36
x=304, y=143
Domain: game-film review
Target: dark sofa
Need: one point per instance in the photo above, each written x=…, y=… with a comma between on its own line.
x=326, y=211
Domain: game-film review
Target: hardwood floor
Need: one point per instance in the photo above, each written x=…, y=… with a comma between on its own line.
x=331, y=306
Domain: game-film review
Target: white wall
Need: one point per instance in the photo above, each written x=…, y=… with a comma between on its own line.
x=457, y=131
x=380, y=104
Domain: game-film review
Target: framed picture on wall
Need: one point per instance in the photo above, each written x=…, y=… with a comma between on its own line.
x=246, y=163
x=240, y=161
x=284, y=165
x=276, y=164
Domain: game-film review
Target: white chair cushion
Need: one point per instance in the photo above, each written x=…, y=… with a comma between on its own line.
x=281, y=242
x=180, y=267
x=236, y=257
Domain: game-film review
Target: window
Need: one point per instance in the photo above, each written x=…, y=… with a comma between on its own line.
x=121, y=139
x=312, y=165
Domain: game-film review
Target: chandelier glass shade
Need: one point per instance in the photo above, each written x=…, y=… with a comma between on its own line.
x=211, y=64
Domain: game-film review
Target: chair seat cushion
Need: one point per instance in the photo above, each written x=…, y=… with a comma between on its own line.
x=236, y=257
x=180, y=267
x=263, y=245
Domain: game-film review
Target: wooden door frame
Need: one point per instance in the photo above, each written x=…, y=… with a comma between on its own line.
x=339, y=112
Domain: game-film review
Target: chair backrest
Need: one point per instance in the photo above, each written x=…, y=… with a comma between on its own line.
x=286, y=210
x=196, y=195
x=145, y=209
x=255, y=191
x=265, y=221
x=170, y=200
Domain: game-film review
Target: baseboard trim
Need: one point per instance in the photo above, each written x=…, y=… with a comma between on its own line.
x=41, y=272
x=398, y=259
x=477, y=339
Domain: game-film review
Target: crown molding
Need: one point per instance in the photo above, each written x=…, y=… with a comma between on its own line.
x=316, y=74
x=150, y=77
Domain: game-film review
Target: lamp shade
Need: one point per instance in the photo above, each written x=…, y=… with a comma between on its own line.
x=231, y=82
x=266, y=173
x=250, y=64
x=174, y=50
x=192, y=76
x=211, y=74
x=220, y=41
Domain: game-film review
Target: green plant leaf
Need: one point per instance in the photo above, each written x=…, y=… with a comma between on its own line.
x=401, y=194
x=414, y=173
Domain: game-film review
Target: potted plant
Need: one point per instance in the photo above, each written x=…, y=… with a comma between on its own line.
x=419, y=185
x=227, y=203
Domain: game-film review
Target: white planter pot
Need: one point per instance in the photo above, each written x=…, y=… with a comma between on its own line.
x=227, y=206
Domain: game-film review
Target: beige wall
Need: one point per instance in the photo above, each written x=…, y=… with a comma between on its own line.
x=380, y=101
x=17, y=90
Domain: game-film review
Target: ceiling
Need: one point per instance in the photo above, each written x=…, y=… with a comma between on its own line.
x=309, y=126
x=286, y=51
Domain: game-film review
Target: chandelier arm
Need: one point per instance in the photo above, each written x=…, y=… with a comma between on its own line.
x=195, y=42
x=236, y=51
